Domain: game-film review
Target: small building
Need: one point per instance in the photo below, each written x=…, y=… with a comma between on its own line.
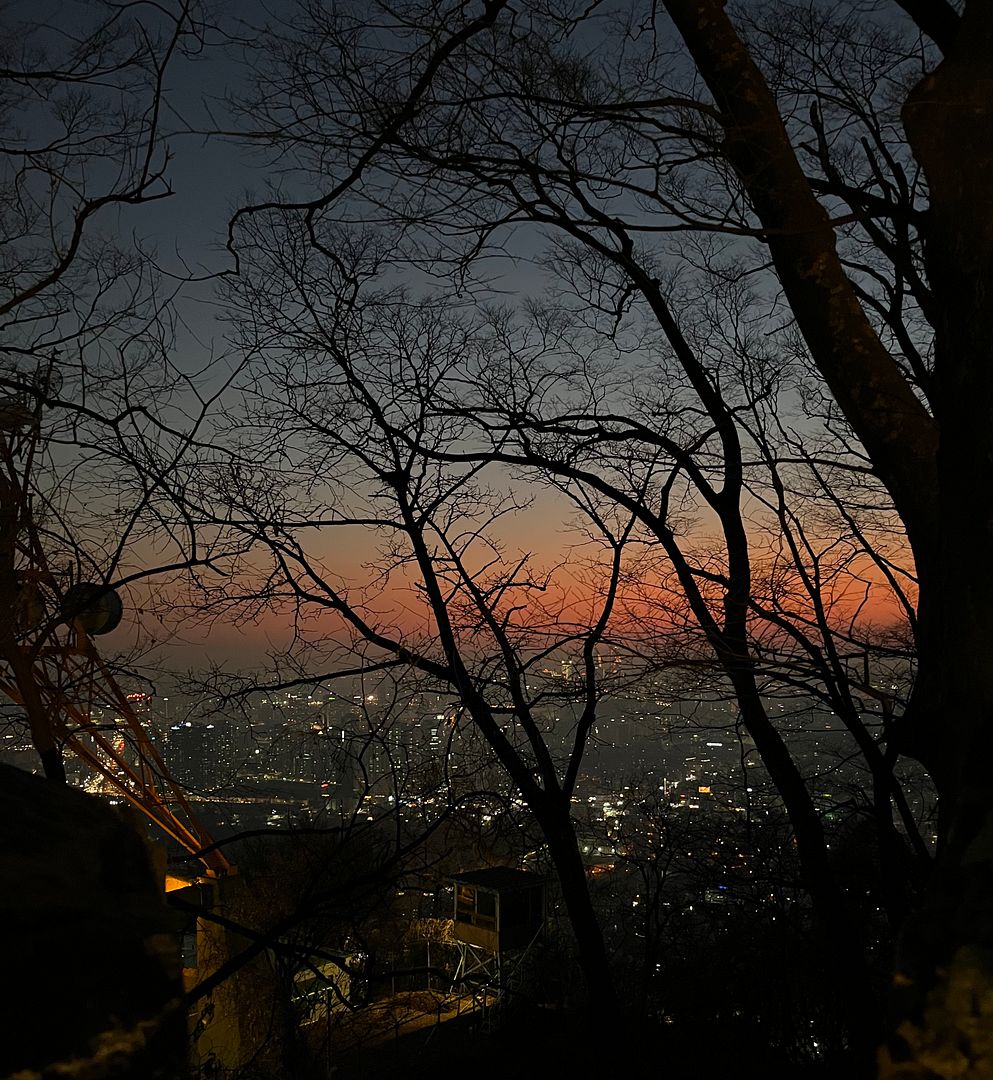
x=499, y=916
x=499, y=909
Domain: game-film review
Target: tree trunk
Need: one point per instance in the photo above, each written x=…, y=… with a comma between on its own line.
x=563, y=848
x=849, y=971
x=944, y=981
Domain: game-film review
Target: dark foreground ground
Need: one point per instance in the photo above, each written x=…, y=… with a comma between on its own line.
x=417, y=1038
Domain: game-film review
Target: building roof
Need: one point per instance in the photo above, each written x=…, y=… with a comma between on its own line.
x=499, y=878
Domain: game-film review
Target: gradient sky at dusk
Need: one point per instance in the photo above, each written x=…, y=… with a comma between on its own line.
x=209, y=177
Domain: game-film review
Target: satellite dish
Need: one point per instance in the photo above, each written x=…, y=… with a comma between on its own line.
x=47, y=381
x=94, y=609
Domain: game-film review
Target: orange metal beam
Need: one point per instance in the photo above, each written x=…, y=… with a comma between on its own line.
x=72, y=682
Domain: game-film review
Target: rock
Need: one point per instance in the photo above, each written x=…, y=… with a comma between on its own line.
x=90, y=948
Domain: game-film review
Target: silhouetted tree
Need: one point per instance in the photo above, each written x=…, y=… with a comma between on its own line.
x=93, y=406
x=834, y=160
x=341, y=376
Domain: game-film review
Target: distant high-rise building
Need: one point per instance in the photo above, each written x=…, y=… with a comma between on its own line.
x=198, y=755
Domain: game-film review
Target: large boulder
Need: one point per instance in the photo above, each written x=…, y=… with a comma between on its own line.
x=90, y=949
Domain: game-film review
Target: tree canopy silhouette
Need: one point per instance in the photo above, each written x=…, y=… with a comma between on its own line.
x=772, y=207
